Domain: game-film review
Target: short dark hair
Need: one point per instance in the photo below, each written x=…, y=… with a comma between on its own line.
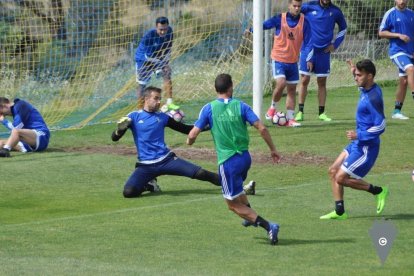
x=367, y=66
x=148, y=90
x=223, y=83
x=4, y=101
x=162, y=20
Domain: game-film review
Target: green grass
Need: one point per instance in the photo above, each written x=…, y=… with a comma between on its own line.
x=62, y=212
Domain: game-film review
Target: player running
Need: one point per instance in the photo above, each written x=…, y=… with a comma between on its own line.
x=357, y=159
x=227, y=118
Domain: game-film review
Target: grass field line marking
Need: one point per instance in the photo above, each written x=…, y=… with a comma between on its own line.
x=173, y=203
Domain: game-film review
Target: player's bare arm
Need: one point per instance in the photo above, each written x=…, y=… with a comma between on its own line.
x=276, y=157
x=192, y=136
x=388, y=34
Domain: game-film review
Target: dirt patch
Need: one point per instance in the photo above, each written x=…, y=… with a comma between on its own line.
x=193, y=153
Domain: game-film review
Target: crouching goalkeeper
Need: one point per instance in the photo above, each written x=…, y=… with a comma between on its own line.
x=154, y=157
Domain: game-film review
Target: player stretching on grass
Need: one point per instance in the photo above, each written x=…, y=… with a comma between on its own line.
x=357, y=159
x=154, y=157
x=227, y=118
x=29, y=131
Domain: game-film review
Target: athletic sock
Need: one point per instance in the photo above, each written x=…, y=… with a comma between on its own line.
x=7, y=147
x=374, y=189
x=290, y=114
x=339, y=207
x=321, y=109
x=262, y=223
x=398, y=105
x=301, y=107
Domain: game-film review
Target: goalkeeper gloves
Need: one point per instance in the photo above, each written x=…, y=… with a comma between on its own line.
x=123, y=123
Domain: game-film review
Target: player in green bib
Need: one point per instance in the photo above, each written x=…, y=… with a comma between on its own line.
x=228, y=120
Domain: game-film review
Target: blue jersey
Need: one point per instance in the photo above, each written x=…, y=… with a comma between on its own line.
x=25, y=116
x=397, y=21
x=276, y=22
x=370, y=119
x=148, y=131
x=205, y=117
x=323, y=22
x=154, y=46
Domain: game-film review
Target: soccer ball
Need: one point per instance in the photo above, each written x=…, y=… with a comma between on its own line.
x=178, y=115
x=279, y=119
x=412, y=175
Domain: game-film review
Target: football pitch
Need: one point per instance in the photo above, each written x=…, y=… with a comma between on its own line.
x=62, y=211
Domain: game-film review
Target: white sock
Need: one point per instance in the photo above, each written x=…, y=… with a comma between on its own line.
x=7, y=147
x=22, y=148
x=290, y=114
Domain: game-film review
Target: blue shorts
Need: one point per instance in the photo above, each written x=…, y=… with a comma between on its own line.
x=289, y=71
x=321, y=64
x=42, y=141
x=171, y=165
x=145, y=69
x=232, y=174
x=403, y=62
x=360, y=160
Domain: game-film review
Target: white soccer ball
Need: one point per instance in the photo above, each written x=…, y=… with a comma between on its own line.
x=279, y=119
x=178, y=115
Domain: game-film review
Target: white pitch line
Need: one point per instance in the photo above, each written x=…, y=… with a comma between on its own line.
x=169, y=204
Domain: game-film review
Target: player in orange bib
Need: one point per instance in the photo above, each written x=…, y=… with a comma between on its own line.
x=292, y=32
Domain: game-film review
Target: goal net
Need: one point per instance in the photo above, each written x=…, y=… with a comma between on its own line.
x=74, y=59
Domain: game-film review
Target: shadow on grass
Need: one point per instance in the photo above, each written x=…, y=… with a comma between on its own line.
x=287, y=242
x=388, y=217
x=184, y=192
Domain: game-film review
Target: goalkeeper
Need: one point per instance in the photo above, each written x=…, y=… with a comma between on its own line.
x=154, y=157
x=153, y=56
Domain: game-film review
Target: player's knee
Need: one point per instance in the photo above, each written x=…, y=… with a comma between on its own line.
x=332, y=171
x=340, y=179
x=130, y=192
x=304, y=81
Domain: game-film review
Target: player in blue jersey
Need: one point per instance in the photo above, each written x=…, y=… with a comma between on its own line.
x=227, y=118
x=292, y=32
x=154, y=157
x=153, y=57
x=322, y=16
x=397, y=25
x=28, y=127
x=357, y=159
